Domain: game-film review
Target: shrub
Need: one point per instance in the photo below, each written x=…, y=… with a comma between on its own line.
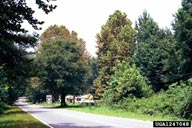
x=176, y=101
x=186, y=109
x=127, y=82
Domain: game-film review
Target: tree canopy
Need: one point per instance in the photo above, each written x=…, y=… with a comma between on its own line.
x=182, y=27
x=59, y=61
x=114, y=43
x=55, y=31
x=63, y=60
x=15, y=61
x=155, y=53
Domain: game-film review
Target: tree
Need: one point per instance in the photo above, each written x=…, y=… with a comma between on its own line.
x=60, y=61
x=155, y=53
x=14, y=41
x=36, y=92
x=182, y=27
x=92, y=75
x=114, y=43
x=13, y=15
x=55, y=31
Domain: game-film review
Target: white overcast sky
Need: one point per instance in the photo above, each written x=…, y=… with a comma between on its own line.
x=87, y=16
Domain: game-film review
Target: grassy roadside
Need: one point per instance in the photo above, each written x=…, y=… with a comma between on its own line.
x=14, y=117
x=121, y=113
x=113, y=112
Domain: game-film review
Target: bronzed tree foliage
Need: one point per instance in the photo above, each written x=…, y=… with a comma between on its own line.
x=115, y=44
x=55, y=31
x=164, y=57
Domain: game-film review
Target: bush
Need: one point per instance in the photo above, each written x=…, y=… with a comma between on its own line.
x=128, y=90
x=176, y=101
x=186, y=109
x=127, y=82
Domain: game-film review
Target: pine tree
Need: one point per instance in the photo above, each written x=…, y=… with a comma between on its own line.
x=155, y=53
x=183, y=32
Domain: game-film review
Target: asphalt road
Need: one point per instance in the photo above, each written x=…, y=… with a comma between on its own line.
x=61, y=118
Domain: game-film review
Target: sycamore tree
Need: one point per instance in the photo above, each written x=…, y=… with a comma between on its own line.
x=114, y=43
x=14, y=58
x=62, y=70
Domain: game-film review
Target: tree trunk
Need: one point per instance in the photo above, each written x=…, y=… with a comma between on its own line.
x=63, y=103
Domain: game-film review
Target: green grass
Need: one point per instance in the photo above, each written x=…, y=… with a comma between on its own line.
x=120, y=113
x=113, y=112
x=14, y=117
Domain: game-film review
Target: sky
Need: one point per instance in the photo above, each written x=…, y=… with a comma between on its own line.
x=87, y=16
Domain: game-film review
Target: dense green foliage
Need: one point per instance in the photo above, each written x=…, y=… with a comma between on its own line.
x=150, y=76
x=176, y=102
x=126, y=84
x=3, y=89
x=92, y=75
x=15, y=61
x=155, y=53
x=183, y=33
x=144, y=70
x=186, y=111
x=61, y=68
x=164, y=58
x=114, y=43
x=170, y=102
x=62, y=65
x=36, y=93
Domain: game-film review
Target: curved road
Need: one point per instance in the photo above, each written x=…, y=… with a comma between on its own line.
x=61, y=118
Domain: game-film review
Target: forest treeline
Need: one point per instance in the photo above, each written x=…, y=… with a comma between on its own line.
x=142, y=68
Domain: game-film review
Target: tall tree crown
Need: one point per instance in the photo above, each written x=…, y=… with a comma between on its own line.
x=55, y=31
x=183, y=32
x=155, y=52
x=14, y=41
x=114, y=43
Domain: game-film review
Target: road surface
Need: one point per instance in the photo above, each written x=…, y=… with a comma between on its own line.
x=61, y=118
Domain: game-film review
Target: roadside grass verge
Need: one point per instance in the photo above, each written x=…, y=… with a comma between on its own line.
x=108, y=111
x=120, y=113
x=14, y=117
